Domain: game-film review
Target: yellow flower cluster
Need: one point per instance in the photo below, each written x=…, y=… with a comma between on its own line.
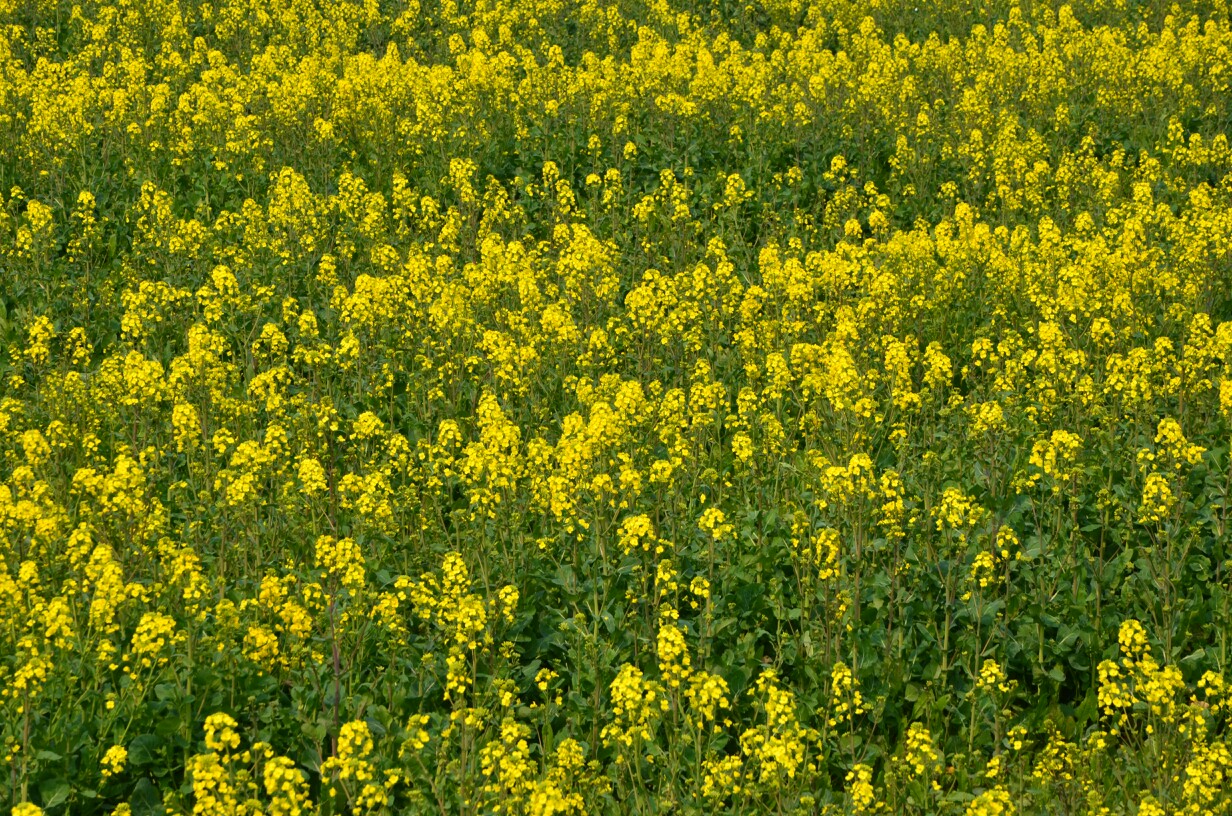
x=353, y=772
x=1136, y=679
x=778, y=747
x=637, y=704
x=544, y=407
x=918, y=752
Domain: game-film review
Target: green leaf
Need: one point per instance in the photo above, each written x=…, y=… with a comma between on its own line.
x=168, y=726
x=1088, y=711
x=146, y=800
x=143, y=750
x=54, y=791
x=1193, y=658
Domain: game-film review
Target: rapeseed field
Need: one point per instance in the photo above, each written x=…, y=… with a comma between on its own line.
x=546, y=407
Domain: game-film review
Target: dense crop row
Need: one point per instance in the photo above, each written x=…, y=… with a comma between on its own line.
x=556, y=407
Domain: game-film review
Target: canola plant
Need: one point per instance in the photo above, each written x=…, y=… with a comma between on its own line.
x=545, y=407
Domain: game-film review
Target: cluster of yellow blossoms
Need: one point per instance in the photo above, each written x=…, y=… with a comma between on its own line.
x=559, y=407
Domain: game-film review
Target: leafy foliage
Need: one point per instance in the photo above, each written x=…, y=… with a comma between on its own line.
x=557, y=407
